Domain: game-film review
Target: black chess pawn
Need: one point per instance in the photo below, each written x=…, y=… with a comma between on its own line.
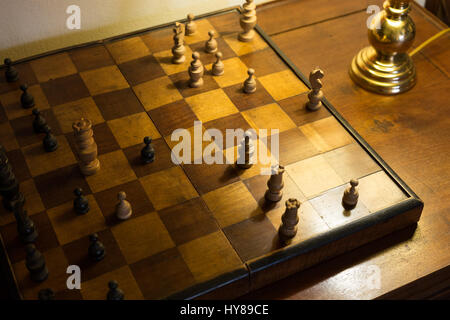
x=114, y=292
x=46, y=294
x=96, y=248
x=80, y=203
x=39, y=121
x=35, y=263
x=25, y=226
x=26, y=99
x=50, y=143
x=11, y=73
x=148, y=152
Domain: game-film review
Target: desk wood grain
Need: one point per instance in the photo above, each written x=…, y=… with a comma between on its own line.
x=408, y=131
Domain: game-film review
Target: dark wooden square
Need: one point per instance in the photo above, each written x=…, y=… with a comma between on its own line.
x=227, y=23
x=162, y=274
x=244, y=101
x=23, y=128
x=66, y=89
x=181, y=82
x=136, y=195
x=188, y=221
x=3, y=117
x=234, y=121
x=253, y=237
x=294, y=146
x=56, y=187
x=46, y=238
x=159, y=40
x=141, y=70
x=162, y=158
x=173, y=116
x=296, y=110
x=209, y=58
x=20, y=168
x=91, y=58
x=26, y=75
x=207, y=177
x=264, y=62
x=76, y=253
x=118, y=104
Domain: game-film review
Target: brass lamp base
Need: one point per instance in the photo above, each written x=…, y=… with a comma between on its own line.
x=391, y=75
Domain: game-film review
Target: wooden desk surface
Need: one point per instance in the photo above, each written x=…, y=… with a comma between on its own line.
x=410, y=131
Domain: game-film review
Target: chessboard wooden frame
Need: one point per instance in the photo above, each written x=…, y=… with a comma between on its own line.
x=280, y=264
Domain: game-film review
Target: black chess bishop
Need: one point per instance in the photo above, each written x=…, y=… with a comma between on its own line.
x=50, y=142
x=26, y=98
x=80, y=203
x=25, y=226
x=39, y=122
x=148, y=152
x=96, y=248
x=9, y=185
x=35, y=263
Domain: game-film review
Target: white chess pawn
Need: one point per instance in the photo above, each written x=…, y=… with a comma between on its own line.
x=123, y=207
x=211, y=44
x=250, y=83
x=191, y=26
x=351, y=195
x=218, y=66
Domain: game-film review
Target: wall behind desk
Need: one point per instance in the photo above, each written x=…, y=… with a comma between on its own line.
x=30, y=27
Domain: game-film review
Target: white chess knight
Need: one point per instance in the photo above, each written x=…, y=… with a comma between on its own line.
x=123, y=207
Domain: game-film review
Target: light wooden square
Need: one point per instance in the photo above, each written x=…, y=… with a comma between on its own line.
x=210, y=256
x=12, y=105
x=8, y=138
x=142, y=237
x=95, y=289
x=235, y=72
x=132, y=129
x=39, y=161
x=351, y=161
x=283, y=84
x=114, y=170
x=378, y=191
x=52, y=67
x=70, y=226
x=157, y=92
x=211, y=105
x=128, y=49
x=326, y=134
x=68, y=113
x=168, y=187
x=104, y=80
x=203, y=27
x=241, y=48
x=268, y=117
x=314, y=176
x=165, y=60
x=232, y=204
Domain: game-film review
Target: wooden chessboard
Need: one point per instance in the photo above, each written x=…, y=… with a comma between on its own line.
x=197, y=230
